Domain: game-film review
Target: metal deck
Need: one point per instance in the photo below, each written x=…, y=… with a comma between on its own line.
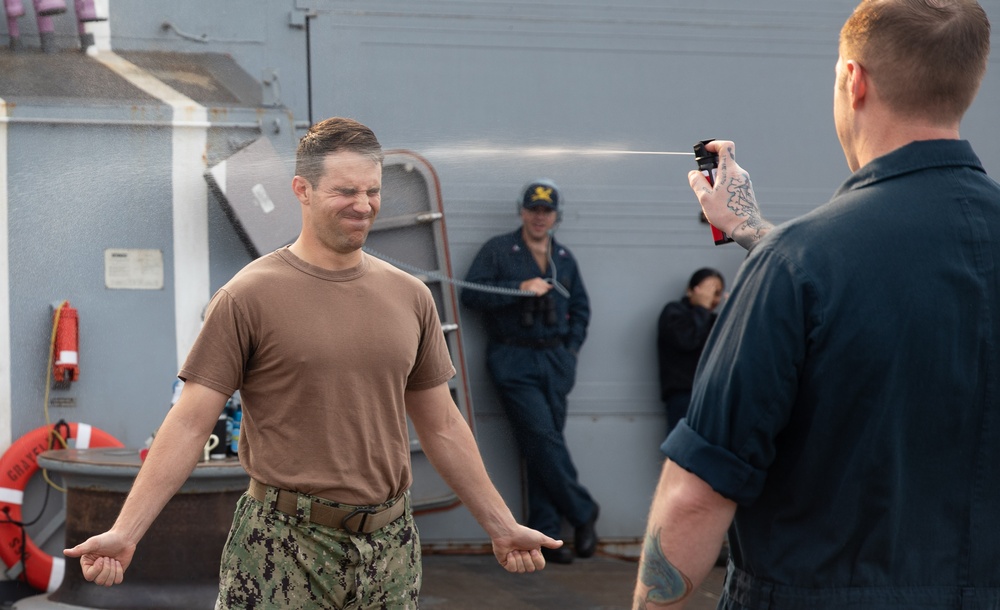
x=462, y=582
x=466, y=582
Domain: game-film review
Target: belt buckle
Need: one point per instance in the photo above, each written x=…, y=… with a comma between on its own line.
x=364, y=511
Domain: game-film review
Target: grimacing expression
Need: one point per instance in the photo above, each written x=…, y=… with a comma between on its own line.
x=345, y=201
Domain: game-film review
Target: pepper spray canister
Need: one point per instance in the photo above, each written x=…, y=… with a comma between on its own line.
x=708, y=165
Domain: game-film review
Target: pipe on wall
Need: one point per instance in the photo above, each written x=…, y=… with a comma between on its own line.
x=256, y=125
x=44, y=9
x=86, y=12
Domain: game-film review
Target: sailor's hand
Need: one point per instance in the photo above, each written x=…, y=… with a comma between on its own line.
x=521, y=552
x=103, y=558
x=730, y=204
x=536, y=285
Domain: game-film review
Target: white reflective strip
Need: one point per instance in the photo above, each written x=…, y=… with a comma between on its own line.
x=82, y=436
x=56, y=576
x=190, y=214
x=192, y=279
x=67, y=357
x=11, y=496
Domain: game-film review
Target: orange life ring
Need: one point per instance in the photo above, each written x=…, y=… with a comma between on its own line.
x=42, y=571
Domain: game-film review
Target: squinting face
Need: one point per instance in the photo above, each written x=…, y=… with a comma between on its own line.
x=538, y=221
x=343, y=205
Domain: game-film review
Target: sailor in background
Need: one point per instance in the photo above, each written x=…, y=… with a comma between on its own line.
x=532, y=353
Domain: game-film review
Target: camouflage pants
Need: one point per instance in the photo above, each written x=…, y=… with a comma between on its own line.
x=274, y=560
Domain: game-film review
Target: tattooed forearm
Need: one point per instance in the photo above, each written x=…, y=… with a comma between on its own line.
x=666, y=583
x=743, y=203
x=751, y=232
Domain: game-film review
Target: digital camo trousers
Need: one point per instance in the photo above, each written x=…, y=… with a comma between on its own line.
x=274, y=560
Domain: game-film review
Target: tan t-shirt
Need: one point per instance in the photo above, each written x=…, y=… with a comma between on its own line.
x=321, y=359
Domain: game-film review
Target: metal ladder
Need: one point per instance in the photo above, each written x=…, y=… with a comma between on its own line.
x=410, y=233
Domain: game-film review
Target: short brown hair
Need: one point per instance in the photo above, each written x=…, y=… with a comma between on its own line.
x=330, y=136
x=926, y=58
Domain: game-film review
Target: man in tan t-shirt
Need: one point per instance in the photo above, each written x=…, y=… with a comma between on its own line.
x=331, y=349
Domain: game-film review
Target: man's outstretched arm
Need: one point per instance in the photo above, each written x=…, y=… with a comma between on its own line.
x=449, y=445
x=179, y=443
x=687, y=524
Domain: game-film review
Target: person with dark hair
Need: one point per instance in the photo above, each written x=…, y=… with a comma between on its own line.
x=331, y=350
x=844, y=416
x=536, y=322
x=682, y=330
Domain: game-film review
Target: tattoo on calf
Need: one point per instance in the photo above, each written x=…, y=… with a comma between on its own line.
x=666, y=583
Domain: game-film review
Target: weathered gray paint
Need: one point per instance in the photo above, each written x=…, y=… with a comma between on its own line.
x=437, y=78
x=64, y=213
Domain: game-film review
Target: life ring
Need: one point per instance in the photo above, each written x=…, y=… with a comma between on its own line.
x=42, y=571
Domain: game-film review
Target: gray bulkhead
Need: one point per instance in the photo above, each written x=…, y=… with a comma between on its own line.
x=492, y=94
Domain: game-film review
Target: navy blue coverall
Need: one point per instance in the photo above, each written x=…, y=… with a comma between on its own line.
x=531, y=356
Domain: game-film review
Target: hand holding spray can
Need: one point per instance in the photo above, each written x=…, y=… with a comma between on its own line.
x=708, y=164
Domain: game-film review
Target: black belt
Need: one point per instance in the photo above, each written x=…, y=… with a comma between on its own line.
x=532, y=343
x=369, y=519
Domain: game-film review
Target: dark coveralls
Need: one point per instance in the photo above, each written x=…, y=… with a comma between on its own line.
x=531, y=356
x=849, y=397
x=682, y=331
